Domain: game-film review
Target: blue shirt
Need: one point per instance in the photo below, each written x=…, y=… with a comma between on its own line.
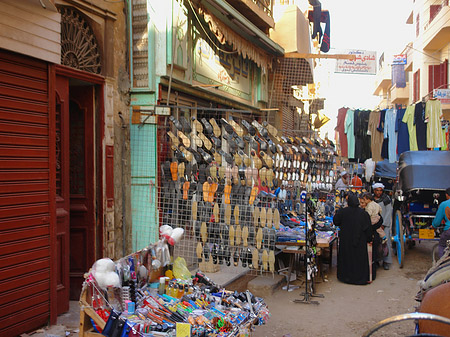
x=389, y=132
x=440, y=215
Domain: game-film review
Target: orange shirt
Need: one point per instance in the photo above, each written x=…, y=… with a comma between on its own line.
x=356, y=182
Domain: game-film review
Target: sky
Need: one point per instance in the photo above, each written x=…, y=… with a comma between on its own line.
x=372, y=25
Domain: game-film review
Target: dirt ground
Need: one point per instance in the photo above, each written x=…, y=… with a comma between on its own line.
x=349, y=310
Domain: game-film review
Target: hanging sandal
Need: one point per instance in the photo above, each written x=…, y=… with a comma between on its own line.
x=236, y=214
x=262, y=216
x=237, y=235
x=265, y=260
x=256, y=216
x=255, y=262
x=227, y=194
x=216, y=127
x=174, y=170
x=276, y=218
x=186, y=186
x=204, y=232
x=259, y=238
x=253, y=195
x=205, y=191
x=237, y=128
x=197, y=125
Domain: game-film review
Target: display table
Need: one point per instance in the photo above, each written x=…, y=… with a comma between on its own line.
x=298, y=248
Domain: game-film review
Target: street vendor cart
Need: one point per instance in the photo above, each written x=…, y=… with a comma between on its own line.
x=422, y=179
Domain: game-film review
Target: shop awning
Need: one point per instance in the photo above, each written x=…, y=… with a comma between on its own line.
x=233, y=28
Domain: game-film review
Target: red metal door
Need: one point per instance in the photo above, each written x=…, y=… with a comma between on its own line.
x=62, y=193
x=27, y=171
x=81, y=176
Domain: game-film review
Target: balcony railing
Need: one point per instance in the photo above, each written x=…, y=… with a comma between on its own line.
x=266, y=6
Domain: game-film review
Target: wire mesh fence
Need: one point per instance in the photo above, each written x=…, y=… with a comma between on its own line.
x=210, y=184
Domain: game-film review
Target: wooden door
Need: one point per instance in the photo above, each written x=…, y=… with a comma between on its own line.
x=82, y=170
x=62, y=193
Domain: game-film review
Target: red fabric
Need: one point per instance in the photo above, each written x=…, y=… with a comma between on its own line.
x=340, y=128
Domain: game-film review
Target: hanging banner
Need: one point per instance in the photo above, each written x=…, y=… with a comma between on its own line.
x=364, y=63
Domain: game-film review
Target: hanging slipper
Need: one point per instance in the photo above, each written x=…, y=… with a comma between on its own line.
x=206, y=142
x=262, y=217
x=236, y=214
x=199, y=251
x=217, y=158
x=255, y=262
x=276, y=218
x=228, y=128
x=204, y=232
x=259, y=238
x=197, y=141
x=256, y=215
x=216, y=127
x=207, y=126
x=253, y=195
x=173, y=138
x=237, y=128
x=186, y=125
x=237, y=235
x=198, y=127
x=184, y=139
x=176, y=123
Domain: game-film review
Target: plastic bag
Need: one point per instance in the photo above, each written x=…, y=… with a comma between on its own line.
x=180, y=270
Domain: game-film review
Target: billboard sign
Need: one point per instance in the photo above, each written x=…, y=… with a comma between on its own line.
x=443, y=95
x=363, y=63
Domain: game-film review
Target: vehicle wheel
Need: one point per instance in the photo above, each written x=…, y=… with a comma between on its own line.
x=435, y=253
x=399, y=238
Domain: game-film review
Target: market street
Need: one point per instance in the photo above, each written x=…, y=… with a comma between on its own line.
x=349, y=310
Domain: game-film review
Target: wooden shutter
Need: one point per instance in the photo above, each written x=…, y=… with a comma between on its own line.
x=25, y=194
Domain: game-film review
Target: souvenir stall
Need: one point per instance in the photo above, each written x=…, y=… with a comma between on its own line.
x=144, y=294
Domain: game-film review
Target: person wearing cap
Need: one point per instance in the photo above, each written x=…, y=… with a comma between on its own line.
x=342, y=183
x=384, y=201
x=443, y=213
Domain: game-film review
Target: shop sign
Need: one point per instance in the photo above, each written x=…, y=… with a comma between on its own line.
x=399, y=59
x=363, y=63
x=443, y=95
x=231, y=71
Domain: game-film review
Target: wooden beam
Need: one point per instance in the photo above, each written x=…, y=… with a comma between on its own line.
x=320, y=56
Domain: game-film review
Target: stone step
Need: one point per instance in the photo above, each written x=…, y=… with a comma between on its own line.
x=263, y=286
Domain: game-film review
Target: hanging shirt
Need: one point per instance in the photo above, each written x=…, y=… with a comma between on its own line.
x=402, y=132
x=421, y=127
x=389, y=133
x=433, y=115
x=444, y=138
x=340, y=128
x=369, y=168
x=408, y=118
x=362, y=140
x=376, y=137
x=349, y=131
